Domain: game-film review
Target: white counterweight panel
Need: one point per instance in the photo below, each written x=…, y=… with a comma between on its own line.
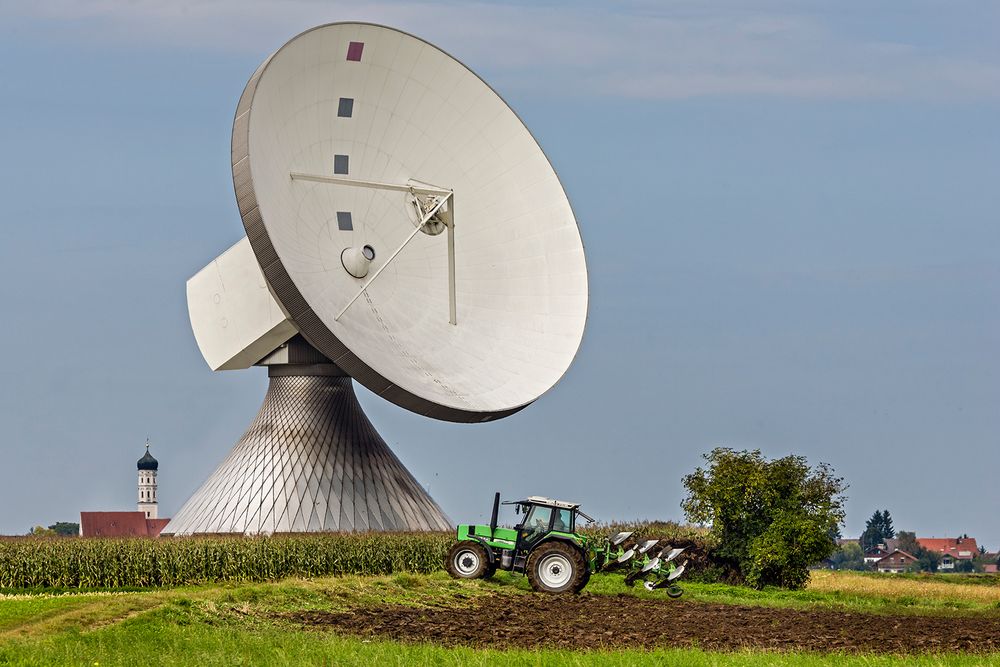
x=235, y=320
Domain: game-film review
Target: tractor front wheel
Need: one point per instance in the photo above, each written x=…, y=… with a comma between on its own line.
x=556, y=567
x=467, y=560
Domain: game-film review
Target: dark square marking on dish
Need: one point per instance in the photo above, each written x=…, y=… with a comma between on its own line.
x=346, y=107
x=344, y=222
x=354, y=50
x=340, y=164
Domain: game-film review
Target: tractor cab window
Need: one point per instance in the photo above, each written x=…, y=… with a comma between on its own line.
x=563, y=521
x=538, y=518
x=535, y=524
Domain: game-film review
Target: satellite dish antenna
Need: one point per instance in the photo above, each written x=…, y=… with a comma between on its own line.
x=404, y=229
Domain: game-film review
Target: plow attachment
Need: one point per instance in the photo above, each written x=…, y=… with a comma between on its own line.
x=641, y=561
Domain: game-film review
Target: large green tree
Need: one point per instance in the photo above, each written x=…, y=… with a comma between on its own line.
x=772, y=518
x=888, y=531
x=848, y=557
x=65, y=528
x=908, y=542
x=878, y=529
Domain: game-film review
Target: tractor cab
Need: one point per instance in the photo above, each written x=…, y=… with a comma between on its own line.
x=544, y=517
x=545, y=520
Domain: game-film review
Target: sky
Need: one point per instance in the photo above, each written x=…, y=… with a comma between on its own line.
x=790, y=214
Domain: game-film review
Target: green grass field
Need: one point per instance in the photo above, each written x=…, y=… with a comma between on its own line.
x=241, y=624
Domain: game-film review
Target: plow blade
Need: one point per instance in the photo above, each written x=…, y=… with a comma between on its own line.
x=673, y=590
x=620, y=537
x=626, y=557
x=619, y=562
x=641, y=572
x=646, y=546
x=673, y=553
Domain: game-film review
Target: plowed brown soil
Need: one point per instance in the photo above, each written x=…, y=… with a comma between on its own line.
x=600, y=621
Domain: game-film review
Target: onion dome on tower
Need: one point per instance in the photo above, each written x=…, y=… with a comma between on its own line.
x=147, y=462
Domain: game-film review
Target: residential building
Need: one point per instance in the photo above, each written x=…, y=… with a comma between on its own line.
x=952, y=549
x=897, y=561
x=875, y=554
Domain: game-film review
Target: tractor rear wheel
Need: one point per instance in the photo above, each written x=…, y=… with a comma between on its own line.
x=556, y=567
x=584, y=580
x=467, y=560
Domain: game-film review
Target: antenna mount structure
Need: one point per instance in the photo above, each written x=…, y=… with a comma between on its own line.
x=404, y=231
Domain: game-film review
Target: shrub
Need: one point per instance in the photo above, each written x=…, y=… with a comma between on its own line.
x=771, y=519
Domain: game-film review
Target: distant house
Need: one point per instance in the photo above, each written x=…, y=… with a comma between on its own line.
x=120, y=524
x=952, y=549
x=875, y=554
x=897, y=561
x=990, y=566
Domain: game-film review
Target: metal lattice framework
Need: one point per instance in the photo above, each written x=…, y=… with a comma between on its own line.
x=310, y=461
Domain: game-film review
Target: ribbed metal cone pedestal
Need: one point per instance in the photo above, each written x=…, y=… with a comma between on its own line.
x=310, y=462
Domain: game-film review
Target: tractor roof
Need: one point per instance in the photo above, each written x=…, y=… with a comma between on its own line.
x=542, y=500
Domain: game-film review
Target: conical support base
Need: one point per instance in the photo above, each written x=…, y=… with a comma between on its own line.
x=310, y=462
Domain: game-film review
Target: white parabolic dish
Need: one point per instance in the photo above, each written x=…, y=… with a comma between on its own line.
x=359, y=103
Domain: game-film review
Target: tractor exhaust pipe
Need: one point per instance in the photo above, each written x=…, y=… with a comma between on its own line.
x=495, y=515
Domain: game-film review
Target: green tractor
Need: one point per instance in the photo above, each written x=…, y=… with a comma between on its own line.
x=546, y=547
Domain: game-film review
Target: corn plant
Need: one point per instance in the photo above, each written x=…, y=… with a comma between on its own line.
x=137, y=562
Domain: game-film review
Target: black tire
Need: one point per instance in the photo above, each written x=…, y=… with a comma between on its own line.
x=467, y=560
x=556, y=567
x=490, y=571
x=584, y=580
x=675, y=591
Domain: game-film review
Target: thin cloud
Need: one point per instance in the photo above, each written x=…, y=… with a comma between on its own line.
x=638, y=49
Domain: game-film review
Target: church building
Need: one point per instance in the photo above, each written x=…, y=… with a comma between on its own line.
x=144, y=522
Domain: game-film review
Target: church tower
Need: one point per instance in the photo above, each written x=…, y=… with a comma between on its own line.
x=147, y=466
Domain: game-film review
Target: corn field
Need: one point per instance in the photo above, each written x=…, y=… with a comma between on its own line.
x=126, y=563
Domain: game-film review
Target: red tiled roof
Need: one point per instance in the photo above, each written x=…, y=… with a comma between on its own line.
x=120, y=524
x=951, y=546
x=155, y=526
